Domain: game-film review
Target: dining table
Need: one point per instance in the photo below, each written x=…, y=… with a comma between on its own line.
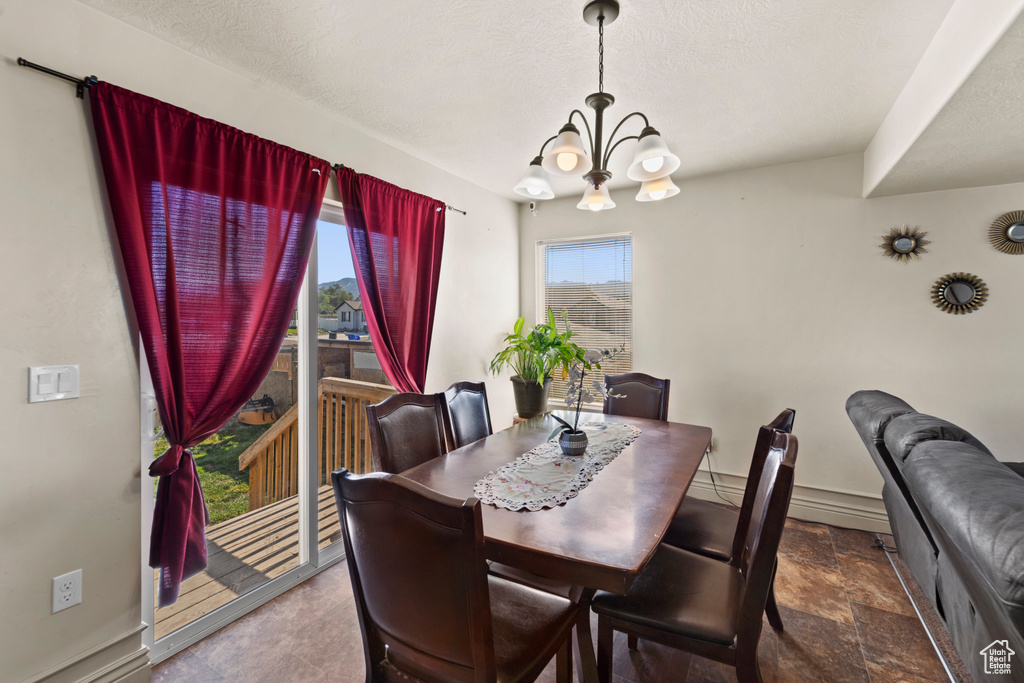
x=604, y=536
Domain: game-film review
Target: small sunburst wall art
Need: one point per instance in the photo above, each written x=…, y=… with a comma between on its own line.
x=904, y=243
x=1007, y=233
x=959, y=293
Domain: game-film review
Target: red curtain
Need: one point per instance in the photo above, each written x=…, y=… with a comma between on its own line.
x=215, y=228
x=396, y=238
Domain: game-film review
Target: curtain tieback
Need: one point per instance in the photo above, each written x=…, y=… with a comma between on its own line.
x=169, y=462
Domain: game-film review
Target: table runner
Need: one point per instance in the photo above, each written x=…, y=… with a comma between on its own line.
x=544, y=477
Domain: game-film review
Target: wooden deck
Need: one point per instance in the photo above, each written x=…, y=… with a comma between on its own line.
x=246, y=552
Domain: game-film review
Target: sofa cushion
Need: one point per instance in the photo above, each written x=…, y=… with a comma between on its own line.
x=906, y=431
x=871, y=410
x=979, y=503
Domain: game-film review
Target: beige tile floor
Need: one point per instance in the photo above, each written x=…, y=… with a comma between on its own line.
x=846, y=618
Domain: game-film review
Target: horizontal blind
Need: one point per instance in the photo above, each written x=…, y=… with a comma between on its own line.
x=591, y=280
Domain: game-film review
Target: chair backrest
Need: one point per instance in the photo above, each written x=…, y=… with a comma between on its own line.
x=761, y=542
x=783, y=422
x=642, y=396
x=419, y=577
x=469, y=418
x=406, y=430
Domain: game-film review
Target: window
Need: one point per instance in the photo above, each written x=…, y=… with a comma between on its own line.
x=591, y=280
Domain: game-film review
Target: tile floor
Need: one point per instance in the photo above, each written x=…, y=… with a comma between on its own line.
x=846, y=618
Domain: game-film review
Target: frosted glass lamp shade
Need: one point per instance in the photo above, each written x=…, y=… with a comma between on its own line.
x=567, y=156
x=652, y=158
x=659, y=188
x=596, y=199
x=535, y=183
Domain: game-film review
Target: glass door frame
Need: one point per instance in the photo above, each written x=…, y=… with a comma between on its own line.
x=311, y=559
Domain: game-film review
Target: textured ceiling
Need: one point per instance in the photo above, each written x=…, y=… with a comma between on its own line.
x=476, y=86
x=978, y=137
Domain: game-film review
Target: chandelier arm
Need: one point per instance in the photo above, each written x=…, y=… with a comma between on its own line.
x=590, y=137
x=612, y=148
x=616, y=130
x=541, y=153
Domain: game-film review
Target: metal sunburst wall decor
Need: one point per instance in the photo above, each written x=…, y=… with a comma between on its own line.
x=1007, y=233
x=959, y=293
x=904, y=243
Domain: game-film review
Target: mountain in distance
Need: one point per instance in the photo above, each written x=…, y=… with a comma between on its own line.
x=349, y=284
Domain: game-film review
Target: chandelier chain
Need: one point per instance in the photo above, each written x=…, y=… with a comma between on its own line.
x=600, y=54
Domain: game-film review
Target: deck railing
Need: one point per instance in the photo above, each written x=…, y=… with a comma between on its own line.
x=273, y=459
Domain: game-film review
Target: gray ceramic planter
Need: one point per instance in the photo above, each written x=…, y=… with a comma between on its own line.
x=573, y=443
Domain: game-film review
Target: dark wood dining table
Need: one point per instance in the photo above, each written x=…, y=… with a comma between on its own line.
x=599, y=540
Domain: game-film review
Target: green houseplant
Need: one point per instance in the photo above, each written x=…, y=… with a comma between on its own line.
x=532, y=357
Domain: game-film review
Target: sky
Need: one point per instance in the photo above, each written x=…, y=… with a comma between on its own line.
x=597, y=262
x=334, y=258
x=606, y=261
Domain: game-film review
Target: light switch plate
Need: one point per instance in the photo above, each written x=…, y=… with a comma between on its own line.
x=52, y=383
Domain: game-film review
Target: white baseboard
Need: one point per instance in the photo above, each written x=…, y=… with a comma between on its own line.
x=810, y=503
x=122, y=659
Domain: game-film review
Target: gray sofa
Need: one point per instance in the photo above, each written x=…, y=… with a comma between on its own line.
x=957, y=515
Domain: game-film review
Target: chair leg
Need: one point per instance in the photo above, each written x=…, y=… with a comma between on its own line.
x=631, y=641
x=563, y=662
x=771, y=608
x=747, y=669
x=604, y=650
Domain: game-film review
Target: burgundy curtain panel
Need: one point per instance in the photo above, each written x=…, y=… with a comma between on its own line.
x=396, y=238
x=215, y=227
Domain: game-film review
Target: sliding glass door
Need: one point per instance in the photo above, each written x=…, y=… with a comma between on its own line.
x=266, y=473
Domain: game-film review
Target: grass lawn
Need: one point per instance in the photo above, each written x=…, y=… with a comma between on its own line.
x=225, y=487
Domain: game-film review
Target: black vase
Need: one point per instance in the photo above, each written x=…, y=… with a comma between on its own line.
x=531, y=396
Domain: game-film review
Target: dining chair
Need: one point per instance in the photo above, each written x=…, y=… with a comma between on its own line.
x=640, y=395
x=427, y=608
x=714, y=531
x=406, y=430
x=695, y=603
x=469, y=418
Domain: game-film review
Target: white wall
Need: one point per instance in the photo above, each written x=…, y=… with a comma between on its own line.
x=70, y=490
x=765, y=289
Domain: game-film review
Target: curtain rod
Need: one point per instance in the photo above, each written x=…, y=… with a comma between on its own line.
x=82, y=83
x=88, y=81
x=338, y=167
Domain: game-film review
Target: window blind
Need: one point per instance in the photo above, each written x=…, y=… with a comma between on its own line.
x=591, y=280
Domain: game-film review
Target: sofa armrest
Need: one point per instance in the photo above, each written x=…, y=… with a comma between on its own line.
x=1017, y=467
x=871, y=410
x=905, y=432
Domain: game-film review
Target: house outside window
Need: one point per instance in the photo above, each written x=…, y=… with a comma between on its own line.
x=590, y=279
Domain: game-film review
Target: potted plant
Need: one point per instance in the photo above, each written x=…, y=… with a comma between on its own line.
x=572, y=439
x=532, y=357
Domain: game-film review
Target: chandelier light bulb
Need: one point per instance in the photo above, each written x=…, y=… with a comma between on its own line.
x=652, y=159
x=596, y=199
x=535, y=182
x=659, y=188
x=653, y=164
x=567, y=155
x=566, y=161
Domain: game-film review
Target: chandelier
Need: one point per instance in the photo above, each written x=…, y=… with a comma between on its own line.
x=652, y=164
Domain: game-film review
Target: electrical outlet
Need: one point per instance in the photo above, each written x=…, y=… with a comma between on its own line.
x=67, y=590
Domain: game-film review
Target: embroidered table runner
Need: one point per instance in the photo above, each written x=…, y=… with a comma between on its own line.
x=543, y=477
